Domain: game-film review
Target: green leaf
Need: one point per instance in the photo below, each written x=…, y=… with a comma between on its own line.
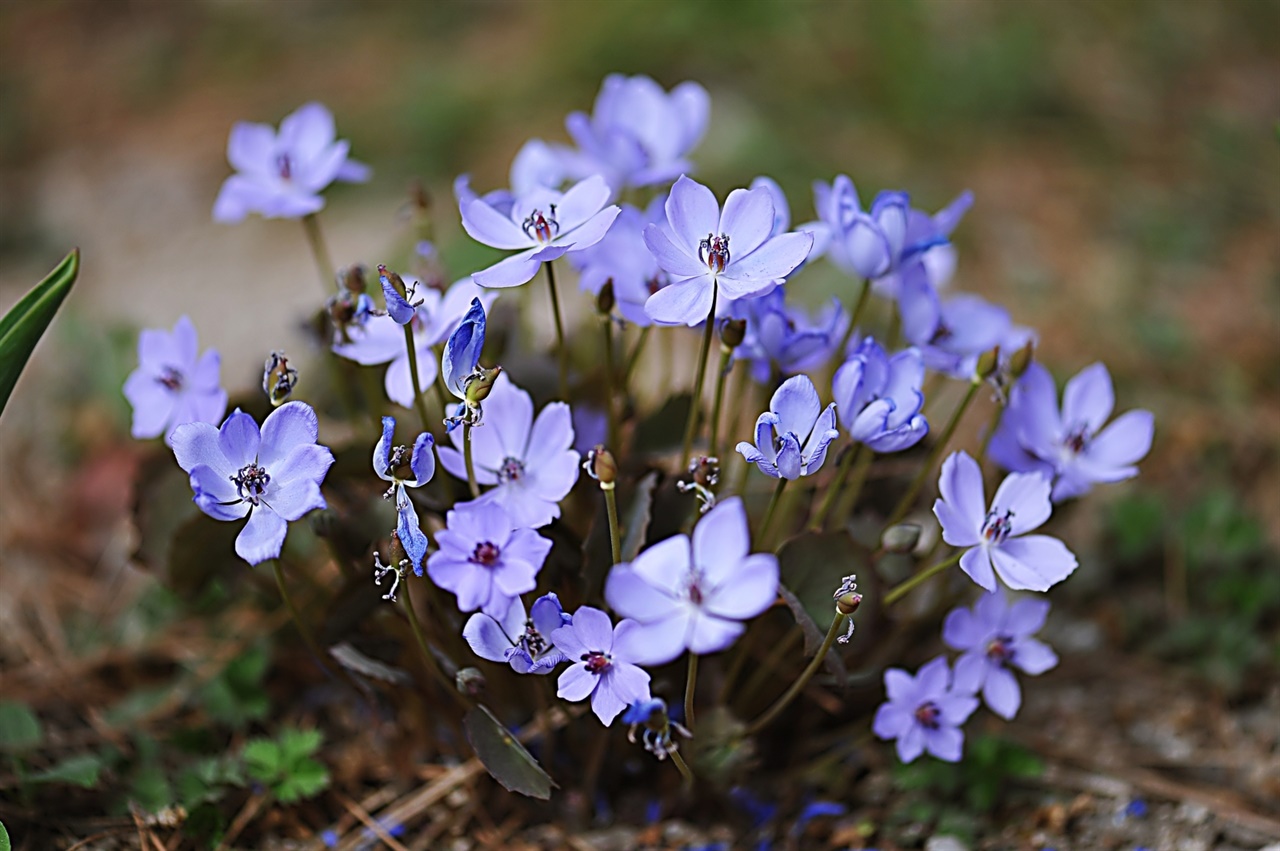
x=4, y=839
x=262, y=758
x=504, y=757
x=306, y=778
x=19, y=727
x=297, y=745
x=638, y=517
x=22, y=327
x=82, y=770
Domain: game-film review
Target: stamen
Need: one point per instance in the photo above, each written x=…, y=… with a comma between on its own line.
x=512, y=470
x=714, y=251
x=251, y=483
x=1000, y=650
x=996, y=529
x=171, y=379
x=540, y=227
x=928, y=715
x=284, y=166
x=381, y=570
x=486, y=553
x=597, y=662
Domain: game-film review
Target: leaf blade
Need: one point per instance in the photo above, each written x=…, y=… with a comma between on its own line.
x=25, y=323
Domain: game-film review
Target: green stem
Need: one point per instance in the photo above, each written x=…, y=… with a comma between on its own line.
x=858, y=309
x=833, y=489
x=555, y=310
x=419, y=401
x=466, y=458
x=634, y=358
x=837, y=626
x=615, y=534
x=899, y=591
x=909, y=498
x=307, y=637
x=684, y=769
x=427, y=656
x=763, y=537
x=320, y=251
x=690, y=685
x=611, y=396
x=991, y=429
x=691, y=427
x=856, y=480
x=722, y=378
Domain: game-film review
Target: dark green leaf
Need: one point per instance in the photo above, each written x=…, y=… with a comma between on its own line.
x=4, y=839
x=22, y=327
x=638, y=515
x=306, y=778
x=663, y=430
x=812, y=566
x=504, y=757
x=19, y=727
x=79, y=770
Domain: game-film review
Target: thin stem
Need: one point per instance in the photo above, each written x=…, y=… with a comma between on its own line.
x=900, y=590
x=909, y=498
x=610, y=399
x=991, y=429
x=427, y=655
x=634, y=357
x=763, y=537
x=555, y=311
x=856, y=480
x=833, y=489
x=691, y=427
x=307, y=637
x=837, y=626
x=320, y=251
x=858, y=309
x=615, y=534
x=684, y=769
x=419, y=401
x=690, y=686
x=722, y=378
x=466, y=458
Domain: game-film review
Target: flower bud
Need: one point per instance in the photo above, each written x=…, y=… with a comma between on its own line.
x=481, y=383
x=605, y=299
x=1021, y=359
x=601, y=466
x=733, y=332
x=988, y=363
x=901, y=538
x=847, y=604
x=470, y=681
x=353, y=279
x=278, y=378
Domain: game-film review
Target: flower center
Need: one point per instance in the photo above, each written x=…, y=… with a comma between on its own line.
x=251, y=483
x=1077, y=440
x=714, y=251
x=928, y=714
x=532, y=640
x=398, y=465
x=597, y=662
x=486, y=553
x=942, y=334
x=284, y=167
x=512, y=470
x=540, y=227
x=171, y=379
x=1000, y=650
x=997, y=527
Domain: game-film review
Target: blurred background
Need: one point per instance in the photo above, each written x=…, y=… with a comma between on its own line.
x=1125, y=158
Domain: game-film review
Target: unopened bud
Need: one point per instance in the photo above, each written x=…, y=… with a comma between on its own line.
x=847, y=604
x=470, y=681
x=481, y=383
x=395, y=280
x=601, y=466
x=733, y=332
x=988, y=363
x=278, y=378
x=353, y=279
x=605, y=299
x=1022, y=359
x=901, y=538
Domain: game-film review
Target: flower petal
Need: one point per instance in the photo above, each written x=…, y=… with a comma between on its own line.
x=797, y=406
x=673, y=259
x=594, y=629
x=486, y=225
x=946, y=743
x=199, y=443
x=1088, y=398
x=961, y=631
x=712, y=634
x=1033, y=563
x=239, y=438
x=262, y=537
x=773, y=261
x=977, y=564
x=1026, y=616
x=693, y=213
x=486, y=638
x=289, y=426
x=576, y=683
x=1001, y=693
x=749, y=592
x=721, y=540
x=682, y=302
x=961, y=486
x=628, y=594
x=747, y=219
x=1026, y=497
x=1034, y=656
x=1121, y=444
x=512, y=272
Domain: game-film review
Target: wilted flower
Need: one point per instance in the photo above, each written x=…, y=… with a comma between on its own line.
x=694, y=595
x=658, y=727
x=879, y=397
x=1075, y=448
x=998, y=536
x=602, y=666
x=405, y=468
x=171, y=385
x=278, y=378
x=460, y=365
x=995, y=638
x=273, y=475
x=281, y=175
x=543, y=225
x=793, y=435
x=705, y=249
x=928, y=242
x=486, y=559
x=529, y=462
x=522, y=642
x=787, y=336
x=924, y=712
x=380, y=340
x=866, y=244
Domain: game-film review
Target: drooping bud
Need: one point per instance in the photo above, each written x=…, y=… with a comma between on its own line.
x=901, y=538
x=481, y=383
x=278, y=378
x=601, y=466
x=1021, y=359
x=733, y=332
x=605, y=299
x=988, y=363
x=470, y=681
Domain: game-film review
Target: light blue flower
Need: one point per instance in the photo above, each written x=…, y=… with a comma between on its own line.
x=793, y=435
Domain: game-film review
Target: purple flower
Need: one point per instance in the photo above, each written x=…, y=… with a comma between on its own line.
x=787, y=335
x=542, y=225
x=997, y=536
x=705, y=248
x=928, y=241
x=536, y=165
x=694, y=596
x=281, y=175
x=623, y=258
x=793, y=435
x=1074, y=448
x=272, y=475
x=405, y=468
x=380, y=340
x=996, y=638
x=485, y=558
x=171, y=385
x=924, y=712
x=638, y=135
x=879, y=397
x=951, y=334
x=603, y=663
x=522, y=642
x=530, y=462
x=867, y=244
